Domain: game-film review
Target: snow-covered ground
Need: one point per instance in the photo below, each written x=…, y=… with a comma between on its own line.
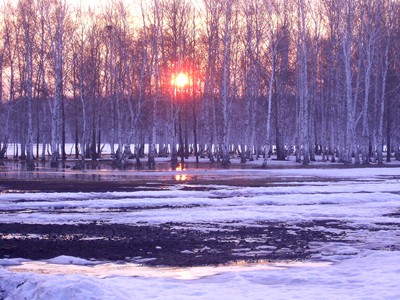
x=367, y=266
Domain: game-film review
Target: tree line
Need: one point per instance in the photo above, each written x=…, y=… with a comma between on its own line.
x=302, y=76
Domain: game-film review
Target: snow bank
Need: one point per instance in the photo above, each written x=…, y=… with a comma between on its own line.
x=369, y=275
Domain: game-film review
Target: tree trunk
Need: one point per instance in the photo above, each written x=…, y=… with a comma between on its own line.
x=270, y=92
x=28, y=32
x=381, y=112
x=225, y=84
x=57, y=45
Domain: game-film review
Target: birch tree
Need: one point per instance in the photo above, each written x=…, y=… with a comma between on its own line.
x=387, y=19
x=58, y=15
x=28, y=19
x=213, y=13
x=283, y=78
x=225, y=82
x=347, y=39
x=8, y=56
x=272, y=49
x=156, y=75
x=302, y=54
x=79, y=70
x=255, y=26
x=370, y=39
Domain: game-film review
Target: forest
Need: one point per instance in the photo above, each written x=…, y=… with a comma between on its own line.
x=211, y=78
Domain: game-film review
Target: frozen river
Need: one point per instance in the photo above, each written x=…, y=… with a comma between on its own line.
x=357, y=209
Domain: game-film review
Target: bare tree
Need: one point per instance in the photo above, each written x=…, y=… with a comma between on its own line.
x=347, y=39
x=225, y=82
x=26, y=11
x=387, y=15
x=213, y=13
x=8, y=60
x=57, y=18
x=283, y=79
x=370, y=43
x=302, y=56
x=272, y=47
x=156, y=73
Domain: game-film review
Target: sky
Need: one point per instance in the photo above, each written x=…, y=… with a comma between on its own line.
x=91, y=3
x=101, y=3
x=367, y=266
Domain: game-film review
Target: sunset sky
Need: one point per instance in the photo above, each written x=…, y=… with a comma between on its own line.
x=132, y=4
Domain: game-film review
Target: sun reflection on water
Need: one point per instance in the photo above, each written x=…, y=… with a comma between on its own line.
x=181, y=176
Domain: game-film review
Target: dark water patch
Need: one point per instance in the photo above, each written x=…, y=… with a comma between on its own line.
x=99, y=210
x=171, y=244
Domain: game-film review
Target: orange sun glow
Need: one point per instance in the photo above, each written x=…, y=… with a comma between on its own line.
x=180, y=80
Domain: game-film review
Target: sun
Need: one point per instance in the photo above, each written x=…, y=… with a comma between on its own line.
x=180, y=81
